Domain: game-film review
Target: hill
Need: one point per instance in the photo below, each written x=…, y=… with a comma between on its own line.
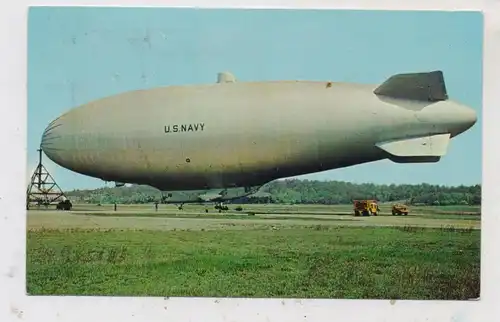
x=294, y=191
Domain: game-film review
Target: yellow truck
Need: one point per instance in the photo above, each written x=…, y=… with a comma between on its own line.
x=400, y=209
x=365, y=207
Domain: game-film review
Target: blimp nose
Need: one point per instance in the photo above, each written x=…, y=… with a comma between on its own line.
x=52, y=138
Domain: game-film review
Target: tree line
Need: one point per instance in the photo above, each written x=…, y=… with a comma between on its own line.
x=295, y=191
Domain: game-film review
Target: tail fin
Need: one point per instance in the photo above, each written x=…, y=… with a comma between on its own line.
x=428, y=87
x=415, y=150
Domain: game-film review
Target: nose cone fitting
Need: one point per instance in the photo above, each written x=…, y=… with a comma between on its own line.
x=449, y=116
x=62, y=144
x=51, y=143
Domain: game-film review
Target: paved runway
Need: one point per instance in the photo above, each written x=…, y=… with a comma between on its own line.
x=142, y=218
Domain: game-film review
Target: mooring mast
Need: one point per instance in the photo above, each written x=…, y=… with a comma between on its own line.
x=42, y=189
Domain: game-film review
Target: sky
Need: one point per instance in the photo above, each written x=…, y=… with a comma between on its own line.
x=76, y=55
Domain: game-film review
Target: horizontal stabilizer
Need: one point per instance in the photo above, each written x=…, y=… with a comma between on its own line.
x=427, y=87
x=421, y=149
x=225, y=77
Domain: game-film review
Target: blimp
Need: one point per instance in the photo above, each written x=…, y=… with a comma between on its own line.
x=225, y=140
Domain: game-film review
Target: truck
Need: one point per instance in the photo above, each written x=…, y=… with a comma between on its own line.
x=399, y=209
x=64, y=205
x=365, y=207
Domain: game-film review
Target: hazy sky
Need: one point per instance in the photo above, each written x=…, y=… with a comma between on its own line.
x=80, y=54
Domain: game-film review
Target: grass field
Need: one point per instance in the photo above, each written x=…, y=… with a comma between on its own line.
x=281, y=251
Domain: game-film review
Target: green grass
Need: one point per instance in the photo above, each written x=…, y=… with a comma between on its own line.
x=449, y=216
x=212, y=216
x=313, y=262
x=271, y=216
x=457, y=208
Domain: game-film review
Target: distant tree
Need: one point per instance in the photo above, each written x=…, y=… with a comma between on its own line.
x=294, y=191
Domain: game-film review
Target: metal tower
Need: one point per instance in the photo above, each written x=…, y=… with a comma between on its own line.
x=43, y=190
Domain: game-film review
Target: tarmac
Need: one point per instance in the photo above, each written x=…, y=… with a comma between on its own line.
x=139, y=217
